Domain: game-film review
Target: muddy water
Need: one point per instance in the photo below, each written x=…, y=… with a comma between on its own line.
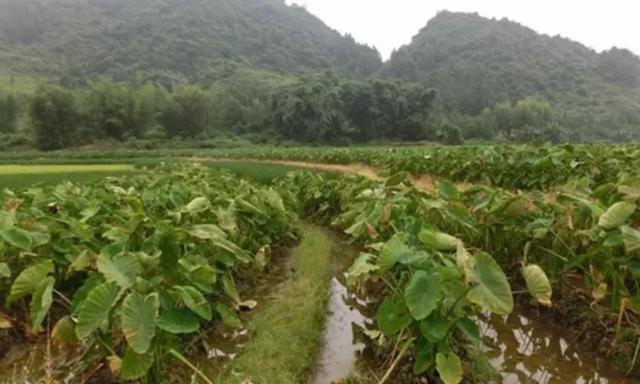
x=346, y=313
x=525, y=348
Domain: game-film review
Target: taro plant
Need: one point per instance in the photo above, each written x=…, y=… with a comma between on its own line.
x=136, y=265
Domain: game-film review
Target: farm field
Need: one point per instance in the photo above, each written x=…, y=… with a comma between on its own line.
x=185, y=270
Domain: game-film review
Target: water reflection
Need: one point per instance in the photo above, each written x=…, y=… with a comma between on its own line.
x=525, y=349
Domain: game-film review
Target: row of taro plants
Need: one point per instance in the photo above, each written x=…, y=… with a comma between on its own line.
x=136, y=266
x=440, y=255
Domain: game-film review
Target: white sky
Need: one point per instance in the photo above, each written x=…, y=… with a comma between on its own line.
x=389, y=24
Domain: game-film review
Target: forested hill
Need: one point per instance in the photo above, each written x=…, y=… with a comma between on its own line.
x=171, y=40
x=475, y=62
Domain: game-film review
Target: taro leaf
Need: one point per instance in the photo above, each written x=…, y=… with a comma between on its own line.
x=29, y=279
x=397, y=178
x=617, y=215
x=121, y=269
x=138, y=318
x=41, y=301
x=361, y=268
x=178, y=321
x=229, y=317
x=423, y=293
x=230, y=288
x=64, y=331
x=7, y=219
x=392, y=317
x=195, y=301
x=634, y=267
x=95, y=308
x=207, y=232
x=83, y=291
x=170, y=252
x=493, y=292
x=197, y=205
x=631, y=238
x=203, y=278
x=392, y=251
x=17, y=237
x=39, y=238
x=135, y=366
x=4, y=270
x=438, y=240
x=424, y=356
x=538, y=284
x=449, y=367
x=465, y=262
x=447, y=190
x=232, y=248
x=469, y=328
x=436, y=327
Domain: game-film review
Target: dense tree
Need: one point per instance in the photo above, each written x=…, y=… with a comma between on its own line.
x=8, y=113
x=54, y=117
x=310, y=110
x=187, y=112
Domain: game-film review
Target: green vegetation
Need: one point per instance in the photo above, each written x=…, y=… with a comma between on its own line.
x=286, y=334
x=170, y=41
x=476, y=63
x=139, y=263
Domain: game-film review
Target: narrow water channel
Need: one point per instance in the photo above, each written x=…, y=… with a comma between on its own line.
x=523, y=347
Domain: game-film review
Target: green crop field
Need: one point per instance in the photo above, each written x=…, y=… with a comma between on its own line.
x=142, y=270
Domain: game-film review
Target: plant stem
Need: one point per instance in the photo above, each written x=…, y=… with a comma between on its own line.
x=403, y=350
x=186, y=362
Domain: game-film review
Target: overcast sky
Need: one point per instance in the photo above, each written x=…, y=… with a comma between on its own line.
x=389, y=24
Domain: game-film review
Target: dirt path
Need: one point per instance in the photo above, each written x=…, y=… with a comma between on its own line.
x=425, y=183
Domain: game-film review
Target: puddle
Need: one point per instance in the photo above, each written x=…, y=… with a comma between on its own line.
x=346, y=313
x=525, y=348
x=340, y=350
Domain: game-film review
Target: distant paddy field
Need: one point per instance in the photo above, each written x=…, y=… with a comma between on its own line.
x=23, y=176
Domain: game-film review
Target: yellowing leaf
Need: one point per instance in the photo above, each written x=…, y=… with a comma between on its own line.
x=538, y=284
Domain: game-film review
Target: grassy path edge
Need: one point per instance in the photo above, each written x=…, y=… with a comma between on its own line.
x=286, y=334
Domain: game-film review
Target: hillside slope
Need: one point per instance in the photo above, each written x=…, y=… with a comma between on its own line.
x=476, y=62
x=170, y=40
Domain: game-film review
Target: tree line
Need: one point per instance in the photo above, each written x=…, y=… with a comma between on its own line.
x=311, y=109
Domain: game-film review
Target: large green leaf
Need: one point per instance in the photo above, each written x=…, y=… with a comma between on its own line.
x=631, y=238
x=195, y=301
x=138, y=318
x=170, y=252
x=207, y=232
x=29, y=279
x=135, y=366
x=392, y=316
x=64, y=332
x=121, y=268
x=229, y=317
x=538, y=284
x=197, y=205
x=422, y=294
x=5, y=271
x=41, y=301
x=617, y=215
x=17, y=237
x=492, y=291
x=438, y=240
x=449, y=367
x=361, y=268
x=392, y=251
x=178, y=321
x=436, y=327
x=95, y=308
